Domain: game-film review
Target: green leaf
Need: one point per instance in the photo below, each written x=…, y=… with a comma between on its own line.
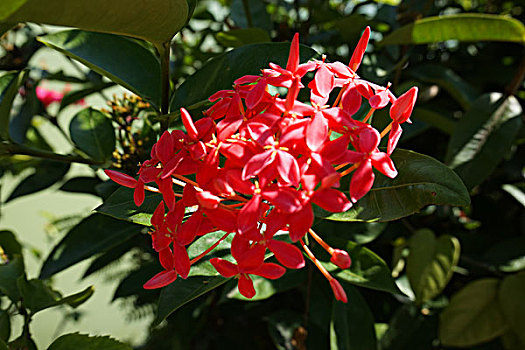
x=121, y=205
x=430, y=263
x=94, y=235
x=47, y=173
x=473, y=315
x=123, y=60
x=77, y=95
x=5, y=326
x=410, y=329
x=77, y=299
x=352, y=324
x=462, y=27
x=511, y=298
x=358, y=232
x=220, y=72
x=240, y=37
x=21, y=122
x=446, y=78
x=282, y=325
x=507, y=255
x=421, y=181
x=81, y=184
x=182, y=292
x=367, y=270
x=436, y=119
x=258, y=14
x=85, y=342
x=93, y=133
x=9, y=274
x=9, y=244
x=9, y=85
x=265, y=288
x=164, y=17
x=483, y=136
x=8, y=7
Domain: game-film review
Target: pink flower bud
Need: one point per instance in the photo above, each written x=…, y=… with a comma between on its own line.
x=338, y=290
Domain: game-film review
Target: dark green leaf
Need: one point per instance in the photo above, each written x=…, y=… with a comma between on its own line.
x=81, y=184
x=121, y=205
x=36, y=295
x=20, y=123
x=112, y=256
x=93, y=235
x=93, y=133
x=220, y=72
x=446, y=78
x=133, y=282
x=8, y=7
x=352, y=324
x=473, y=315
x=240, y=37
x=507, y=255
x=421, y=181
x=462, y=27
x=9, y=85
x=77, y=95
x=120, y=59
x=5, y=326
x=410, y=329
x=438, y=120
x=77, y=299
x=511, y=298
x=358, y=232
x=430, y=263
x=24, y=342
x=265, y=288
x=367, y=270
x=9, y=274
x=164, y=19
x=9, y=244
x=47, y=173
x=182, y=291
x=483, y=136
x=282, y=325
x=85, y=342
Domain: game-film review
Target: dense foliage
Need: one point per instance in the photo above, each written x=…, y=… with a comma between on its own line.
x=437, y=247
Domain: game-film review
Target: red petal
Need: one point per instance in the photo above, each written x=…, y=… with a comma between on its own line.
x=166, y=258
x=362, y=181
x=270, y=270
x=287, y=254
x=300, y=222
x=181, y=260
x=351, y=101
x=224, y=267
x=245, y=286
x=161, y=279
x=257, y=163
x=164, y=148
x=252, y=258
x=188, y=124
x=332, y=200
x=293, y=58
x=369, y=139
x=359, y=51
x=324, y=80
x=249, y=215
x=207, y=200
x=393, y=137
x=138, y=194
x=288, y=168
x=121, y=179
x=402, y=107
x=382, y=162
x=316, y=132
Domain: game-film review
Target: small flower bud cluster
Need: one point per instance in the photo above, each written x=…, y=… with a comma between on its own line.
x=261, y=161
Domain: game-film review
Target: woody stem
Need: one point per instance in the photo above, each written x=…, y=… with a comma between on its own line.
x=197, y=258
x=315, y=261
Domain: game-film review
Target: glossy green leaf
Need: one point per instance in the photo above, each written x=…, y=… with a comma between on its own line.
x=483, y=136
x=182, y=291
x=421, y=181
x=367, y=270
x=5, y=326
x=121, y=205
x=352, y=324
x=265, y=288
x=165, y=17
x=47, y=173
x=123, y=60
x=220, y=72
x=85, y=342
x=9, y=85
x=77, y=95
x=410, y=329
x=446, y=78
x=9, y=274
x=473, y=316
x=511, y=298
x=93, y=133
x=81, y=184
x=93, y=235
x=462, y=27
x=430, y=263
x=240, y=37
x=9, y=244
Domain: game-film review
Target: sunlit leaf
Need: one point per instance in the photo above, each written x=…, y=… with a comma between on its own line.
x=473, y=316
x=462, y=27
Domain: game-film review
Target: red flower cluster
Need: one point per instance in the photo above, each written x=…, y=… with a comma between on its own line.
x=261, y=161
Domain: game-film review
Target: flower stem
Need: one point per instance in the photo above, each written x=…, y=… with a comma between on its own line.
x=349, y=170
x=387, y=129
x=317, y=263
x=319, y=240
x=197, y=258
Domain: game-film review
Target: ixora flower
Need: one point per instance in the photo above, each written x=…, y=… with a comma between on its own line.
x=261, y=161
